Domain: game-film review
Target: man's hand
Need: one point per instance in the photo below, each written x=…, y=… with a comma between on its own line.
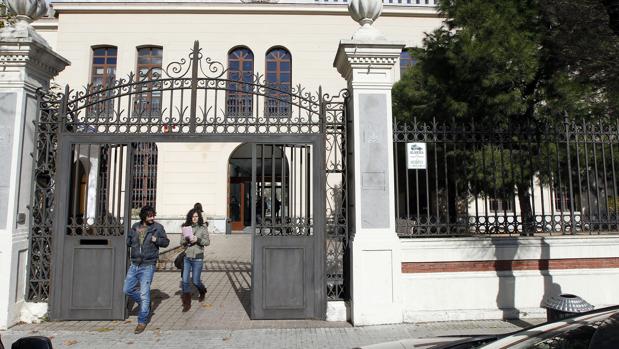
x=153, y=239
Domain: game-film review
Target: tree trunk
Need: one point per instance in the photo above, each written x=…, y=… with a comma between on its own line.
x=526, y=213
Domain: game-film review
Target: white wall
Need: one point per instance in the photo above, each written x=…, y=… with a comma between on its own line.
x=193, y=172
x=312, y=38
x=439, y=296
x=189, y=173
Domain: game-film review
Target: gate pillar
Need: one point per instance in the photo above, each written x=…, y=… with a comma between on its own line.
x=368, y=62
x=27, y=63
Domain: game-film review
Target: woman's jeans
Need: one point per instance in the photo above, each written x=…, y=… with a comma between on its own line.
x=142, y=274
x=195, y=267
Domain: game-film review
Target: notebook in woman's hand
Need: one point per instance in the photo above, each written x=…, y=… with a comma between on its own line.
x=187, y=232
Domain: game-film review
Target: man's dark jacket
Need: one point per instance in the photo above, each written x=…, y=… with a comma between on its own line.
x=146, y=252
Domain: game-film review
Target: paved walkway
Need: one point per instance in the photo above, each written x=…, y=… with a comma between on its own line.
x=318, y=337
x=227, y=277
x=222, y=320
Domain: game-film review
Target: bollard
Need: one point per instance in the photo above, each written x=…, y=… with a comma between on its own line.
x=228, y=226
x=565, y=305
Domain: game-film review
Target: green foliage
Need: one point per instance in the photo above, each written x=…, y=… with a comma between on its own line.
x=508, y=61
x=504, y=64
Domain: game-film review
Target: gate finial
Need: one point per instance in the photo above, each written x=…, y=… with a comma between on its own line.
x=25, y=11
x=365, y=12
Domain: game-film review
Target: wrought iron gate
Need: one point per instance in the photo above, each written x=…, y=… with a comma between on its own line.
x=109, y=119
x=287, y=251
x=91, y=254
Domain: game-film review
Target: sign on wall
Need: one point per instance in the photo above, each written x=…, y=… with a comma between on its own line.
x=416, y=156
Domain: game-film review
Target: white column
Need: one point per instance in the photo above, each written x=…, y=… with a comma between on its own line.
x=368, y=62
x=26, y=64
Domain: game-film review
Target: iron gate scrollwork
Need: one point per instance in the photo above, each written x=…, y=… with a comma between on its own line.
x=193, y=101
x=42, y=200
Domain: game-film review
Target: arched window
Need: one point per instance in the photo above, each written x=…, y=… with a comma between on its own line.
x=239, y=97
x=278, y=79
x=103, y=65
x=103, y=74
x=148, y=68
x=407, y=60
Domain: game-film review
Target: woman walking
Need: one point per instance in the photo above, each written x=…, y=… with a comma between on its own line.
x=194, y=238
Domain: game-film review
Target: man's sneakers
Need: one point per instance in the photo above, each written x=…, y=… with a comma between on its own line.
x=139, y=328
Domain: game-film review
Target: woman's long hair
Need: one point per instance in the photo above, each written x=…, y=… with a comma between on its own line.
x=188, y=220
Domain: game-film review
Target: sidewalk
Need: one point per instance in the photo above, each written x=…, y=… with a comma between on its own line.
x=222, y=320
x=317, y=337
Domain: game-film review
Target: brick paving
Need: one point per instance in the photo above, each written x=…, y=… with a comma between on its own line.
x=316, y=337
x=222, y=320
x=227, y=276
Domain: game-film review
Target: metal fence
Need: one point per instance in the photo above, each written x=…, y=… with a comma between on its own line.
x=454, y=180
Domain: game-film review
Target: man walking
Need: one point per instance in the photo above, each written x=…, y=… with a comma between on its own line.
x=144, y=239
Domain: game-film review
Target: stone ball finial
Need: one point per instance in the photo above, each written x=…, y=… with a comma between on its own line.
x=365, y=12
x=27, y=10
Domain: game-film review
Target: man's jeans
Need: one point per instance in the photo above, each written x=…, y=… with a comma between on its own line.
x=144, y=275
x=195, y=267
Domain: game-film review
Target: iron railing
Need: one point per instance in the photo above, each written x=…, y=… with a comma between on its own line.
x=521, y=180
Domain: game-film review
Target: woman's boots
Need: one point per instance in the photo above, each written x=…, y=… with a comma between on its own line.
x=186, y=299
x=202, y=291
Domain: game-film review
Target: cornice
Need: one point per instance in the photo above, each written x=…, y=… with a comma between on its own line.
x=353, y=54
x=33, y=55
x=245, y=8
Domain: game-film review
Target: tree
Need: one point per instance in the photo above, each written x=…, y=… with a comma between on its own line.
x=511, y=64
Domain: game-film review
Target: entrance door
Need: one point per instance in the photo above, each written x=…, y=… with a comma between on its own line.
x=239, y=203
x=92, y=219
x=286, y=260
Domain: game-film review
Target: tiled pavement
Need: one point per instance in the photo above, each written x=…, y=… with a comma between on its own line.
x=222, y=319
x=227, y=276
x=317, y=337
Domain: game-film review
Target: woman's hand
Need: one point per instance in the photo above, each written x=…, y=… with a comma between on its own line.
x=193, y=239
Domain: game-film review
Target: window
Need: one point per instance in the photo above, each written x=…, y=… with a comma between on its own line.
x=148, y=69
x=239, y=97
x=103, y=65
x=278, y=80
x=144, y=175
x=563, y=201
x=103, y=75
x=406, y=61
x=501, y=205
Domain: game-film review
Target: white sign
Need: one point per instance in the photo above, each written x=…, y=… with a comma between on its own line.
x=416, y=156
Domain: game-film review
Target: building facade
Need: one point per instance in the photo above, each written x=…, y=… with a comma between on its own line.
x=292, y=45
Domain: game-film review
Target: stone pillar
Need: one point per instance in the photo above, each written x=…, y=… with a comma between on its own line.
x=369, y=63
x=27, y=63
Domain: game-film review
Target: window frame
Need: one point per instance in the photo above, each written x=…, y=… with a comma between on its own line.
x=274, y=93
x=240, y=102
x=150, y=67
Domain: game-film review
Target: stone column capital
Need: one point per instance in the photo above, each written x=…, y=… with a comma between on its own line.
x=368, y=62
x=28, y=62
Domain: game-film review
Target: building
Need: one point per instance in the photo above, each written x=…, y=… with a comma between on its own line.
x=278, y=59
